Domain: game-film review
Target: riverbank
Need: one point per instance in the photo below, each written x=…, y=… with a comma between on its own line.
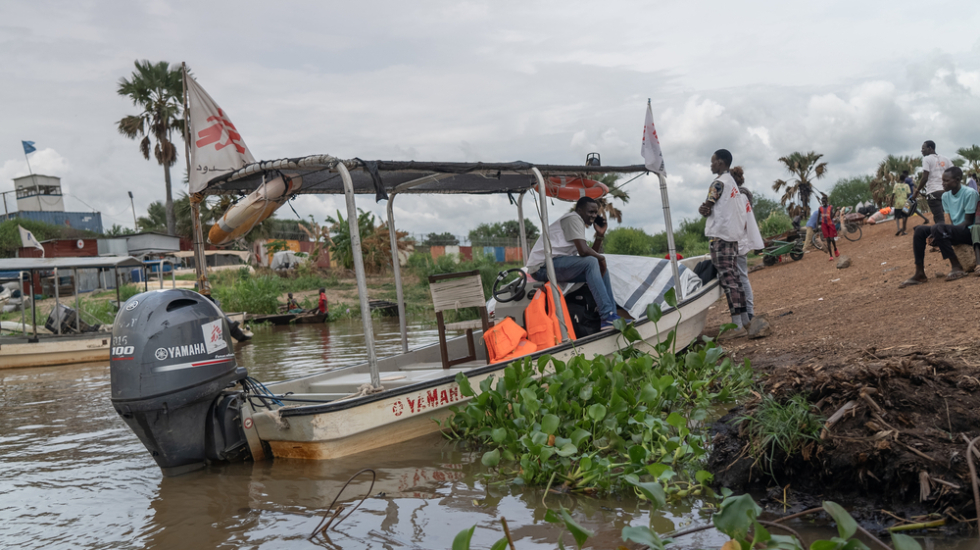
x=899, y=367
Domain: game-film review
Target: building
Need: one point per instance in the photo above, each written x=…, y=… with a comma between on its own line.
x=39, y=198
x=39, y=193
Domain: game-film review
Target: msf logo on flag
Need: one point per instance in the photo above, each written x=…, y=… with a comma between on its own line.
x=214, y=134
x=28, y=240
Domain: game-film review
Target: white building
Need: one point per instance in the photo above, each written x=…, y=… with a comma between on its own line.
x=39, y=193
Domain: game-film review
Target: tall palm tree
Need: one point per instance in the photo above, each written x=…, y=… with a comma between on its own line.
x=807, y=168
x=971, y=155
x=156, y=89
x=889, y=172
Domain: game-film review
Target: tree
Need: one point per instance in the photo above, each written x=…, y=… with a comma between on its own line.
x=762, y=206
x=156, y=89
x=506, y=233
x=889, y=172
x=851, y=191
x=155, y=220
x=118, y=231
x=440, y=239
x=341, y=245
x=807, y=169
x=970, y=155
x=606, y=207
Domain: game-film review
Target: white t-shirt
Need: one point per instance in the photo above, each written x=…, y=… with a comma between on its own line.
x=935, y=164
x=727, y=219
x=562, y=233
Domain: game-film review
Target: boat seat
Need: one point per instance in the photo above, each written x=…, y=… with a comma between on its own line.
x=456, y=291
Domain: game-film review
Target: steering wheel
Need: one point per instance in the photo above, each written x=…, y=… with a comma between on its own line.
x=515, y=288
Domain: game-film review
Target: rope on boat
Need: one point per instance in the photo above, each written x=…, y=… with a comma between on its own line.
x=252, y=385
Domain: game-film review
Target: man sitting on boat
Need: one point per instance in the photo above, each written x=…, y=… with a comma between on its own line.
x=292, y=306
x=574, y=260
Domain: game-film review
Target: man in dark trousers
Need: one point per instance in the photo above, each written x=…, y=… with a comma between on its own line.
x=960, y=206
x=725, y=227
x=931, y=179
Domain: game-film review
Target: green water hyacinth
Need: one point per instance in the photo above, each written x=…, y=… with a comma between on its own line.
x=605, y=423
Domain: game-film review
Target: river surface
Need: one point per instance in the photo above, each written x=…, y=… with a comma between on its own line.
x=72, y=474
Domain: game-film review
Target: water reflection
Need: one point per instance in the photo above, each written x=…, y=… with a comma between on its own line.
x=72, y=475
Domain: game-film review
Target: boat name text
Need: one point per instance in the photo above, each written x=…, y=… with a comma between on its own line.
x=433, y=398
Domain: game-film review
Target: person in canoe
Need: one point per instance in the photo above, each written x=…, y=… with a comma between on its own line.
x=292, y=306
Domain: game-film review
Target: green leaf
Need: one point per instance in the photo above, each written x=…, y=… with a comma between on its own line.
x=499, y=435
x=597, y=412
x=464, y=385
x=586, y=392
x=670, y=297
x=621, y=324
x=649, y=394
x=500, y=544
x=579, y=533
x=653, y=492
x=549, y=423
x=759, y=534
x=905, y=542
x=654, y=312
x=579, y=435
x=824, y=545
x=462, y=540
x=704, y=476
x=638, y=454
x=660, y=471
x=643, y=535
x=676, y=420
x=855, y=544
x=846, y=525
x=491, y=459
x=736, y=516
x=567, y=449
x=551, y=516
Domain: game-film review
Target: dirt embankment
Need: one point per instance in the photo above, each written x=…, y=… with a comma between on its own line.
x=903, y=363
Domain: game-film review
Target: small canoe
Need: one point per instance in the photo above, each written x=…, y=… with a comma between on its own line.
x=276, y=319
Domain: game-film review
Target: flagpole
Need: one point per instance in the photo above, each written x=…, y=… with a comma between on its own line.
x=37, y=190
x=200, y=261
x=671, y=250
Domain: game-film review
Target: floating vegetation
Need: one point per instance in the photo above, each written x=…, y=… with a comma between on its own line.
x=608, y=423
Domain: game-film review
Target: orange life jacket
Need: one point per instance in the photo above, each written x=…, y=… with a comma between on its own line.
x=541, y=319
x=507, y=340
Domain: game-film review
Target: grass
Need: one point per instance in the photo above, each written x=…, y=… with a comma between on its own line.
x=785, y=427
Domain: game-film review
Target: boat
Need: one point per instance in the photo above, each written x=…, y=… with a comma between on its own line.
x=275, y=318
x=364, y=406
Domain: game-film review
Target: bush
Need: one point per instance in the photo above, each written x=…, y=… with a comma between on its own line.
x=252, y=294
x=777, y=222
x=629, y=240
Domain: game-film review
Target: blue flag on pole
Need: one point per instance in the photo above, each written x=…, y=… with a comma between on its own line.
x=28, y=146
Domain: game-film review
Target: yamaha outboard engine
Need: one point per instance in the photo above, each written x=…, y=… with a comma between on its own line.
x=172, y=360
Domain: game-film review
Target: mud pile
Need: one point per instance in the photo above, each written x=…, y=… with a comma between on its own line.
x=898, y=435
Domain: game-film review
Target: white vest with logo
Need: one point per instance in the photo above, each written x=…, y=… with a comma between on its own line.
x=727, y=219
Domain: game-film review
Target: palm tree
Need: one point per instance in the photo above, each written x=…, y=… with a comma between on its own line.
x=971, y=155
x=889, y=172
x=157, y=90
x=806, y=168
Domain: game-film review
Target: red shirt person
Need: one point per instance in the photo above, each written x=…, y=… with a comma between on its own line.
x=323, y=301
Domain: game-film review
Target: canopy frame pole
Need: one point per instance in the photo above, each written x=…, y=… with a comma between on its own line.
x=549, y=264
x=355, y=241
x=57, y=302
x=115, y=274
x=33, y=308
x=520, y=223
x=78, y=308
x=397, y=269
x=23, y=310
x=671, y=251
x=200, y=263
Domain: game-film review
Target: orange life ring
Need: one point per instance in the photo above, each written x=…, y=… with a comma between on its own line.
x=572, y=189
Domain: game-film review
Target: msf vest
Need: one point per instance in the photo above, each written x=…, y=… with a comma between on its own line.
x=727, y=219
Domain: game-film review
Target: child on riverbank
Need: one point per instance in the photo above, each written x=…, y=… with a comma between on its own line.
x=827, y=227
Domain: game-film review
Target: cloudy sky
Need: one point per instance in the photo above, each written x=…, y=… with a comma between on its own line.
x=544, y=82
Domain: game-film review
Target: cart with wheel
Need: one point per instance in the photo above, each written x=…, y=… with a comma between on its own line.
x=775, y=248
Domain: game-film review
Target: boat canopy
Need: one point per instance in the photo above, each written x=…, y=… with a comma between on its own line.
x=379, y=177
x=27, y=264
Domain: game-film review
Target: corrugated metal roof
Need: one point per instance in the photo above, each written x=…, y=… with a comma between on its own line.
x=24, y=264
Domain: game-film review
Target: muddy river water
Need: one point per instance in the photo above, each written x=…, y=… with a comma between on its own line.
x=72, y=474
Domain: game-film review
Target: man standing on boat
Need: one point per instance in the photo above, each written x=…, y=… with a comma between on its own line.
x=574, y=260
x=725, y=228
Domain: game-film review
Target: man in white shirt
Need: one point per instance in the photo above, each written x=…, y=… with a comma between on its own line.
x=725, y=210
x=933, y=166
x=574, y=260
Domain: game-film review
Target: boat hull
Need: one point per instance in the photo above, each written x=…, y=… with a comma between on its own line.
x=53, y=352
x=360, y=424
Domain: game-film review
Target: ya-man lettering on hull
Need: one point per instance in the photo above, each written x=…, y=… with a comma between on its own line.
x=429, y=399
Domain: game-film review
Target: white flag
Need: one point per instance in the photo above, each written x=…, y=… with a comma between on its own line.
x=27, y=240
x=216, y=146
x=652, y=157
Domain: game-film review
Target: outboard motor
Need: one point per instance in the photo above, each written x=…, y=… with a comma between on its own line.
x=172, y=360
